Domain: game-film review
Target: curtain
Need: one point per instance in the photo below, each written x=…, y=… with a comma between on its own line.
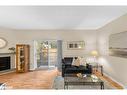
x=59, y=55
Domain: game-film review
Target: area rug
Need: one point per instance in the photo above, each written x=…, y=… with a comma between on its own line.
x=59, y=85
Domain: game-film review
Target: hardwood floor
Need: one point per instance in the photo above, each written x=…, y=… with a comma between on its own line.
x=41, y=79
x=111, y=82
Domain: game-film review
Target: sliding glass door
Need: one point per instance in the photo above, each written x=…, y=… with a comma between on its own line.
x=52, y=53
x=46, y=53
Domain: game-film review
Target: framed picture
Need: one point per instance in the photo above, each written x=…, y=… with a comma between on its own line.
x=75, y=45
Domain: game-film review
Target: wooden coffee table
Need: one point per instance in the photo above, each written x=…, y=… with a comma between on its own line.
x=70, y=79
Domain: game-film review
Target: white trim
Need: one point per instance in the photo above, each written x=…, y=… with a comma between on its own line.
x=7, y=71
x=32, y=69
x=114, y=80
x=46, y=39
x=35, y=60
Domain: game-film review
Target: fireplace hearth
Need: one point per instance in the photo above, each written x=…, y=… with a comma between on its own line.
x=5, y=63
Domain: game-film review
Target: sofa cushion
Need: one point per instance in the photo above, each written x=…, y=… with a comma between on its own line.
x=82, y=67
x=68, y=60
x=76, y=70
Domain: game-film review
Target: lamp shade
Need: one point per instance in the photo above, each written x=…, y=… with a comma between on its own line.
x=94, y=53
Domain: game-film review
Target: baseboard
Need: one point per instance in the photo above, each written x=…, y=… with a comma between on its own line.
x=7, y=71
x=32, y=70
x=115, y=80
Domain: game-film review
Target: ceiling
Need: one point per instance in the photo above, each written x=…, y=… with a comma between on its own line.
x=58, y=17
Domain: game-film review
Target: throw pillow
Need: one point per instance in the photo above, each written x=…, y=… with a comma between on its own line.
x=83, y=61
x=76, y=62
x=73, y=62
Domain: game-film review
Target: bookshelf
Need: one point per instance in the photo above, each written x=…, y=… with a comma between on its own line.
x=22, y=57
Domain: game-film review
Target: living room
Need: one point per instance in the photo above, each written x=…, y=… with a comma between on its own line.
x=27, y=25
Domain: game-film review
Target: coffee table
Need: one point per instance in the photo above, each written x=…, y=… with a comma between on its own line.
x=96, y=67
x=71, y=79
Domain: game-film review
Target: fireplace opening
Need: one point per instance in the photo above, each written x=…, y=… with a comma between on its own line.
x=4, y=63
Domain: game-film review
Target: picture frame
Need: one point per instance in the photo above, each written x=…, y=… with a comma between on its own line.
x=75, y=45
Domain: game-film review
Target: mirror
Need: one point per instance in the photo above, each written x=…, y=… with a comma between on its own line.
x=3, y=43
x=118, y=44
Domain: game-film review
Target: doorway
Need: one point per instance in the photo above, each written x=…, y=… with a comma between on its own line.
x=46, y=53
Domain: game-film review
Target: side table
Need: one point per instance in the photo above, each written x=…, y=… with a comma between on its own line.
x=97, y=67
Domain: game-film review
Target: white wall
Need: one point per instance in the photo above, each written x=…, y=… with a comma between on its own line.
x=28, y=36
x=115, y=67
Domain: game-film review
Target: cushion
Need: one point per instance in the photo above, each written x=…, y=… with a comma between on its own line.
x=73, y=62
x=83, y=61
x=68, y=59
x=76, y=62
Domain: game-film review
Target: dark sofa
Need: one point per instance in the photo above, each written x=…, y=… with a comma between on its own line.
x=68, y=68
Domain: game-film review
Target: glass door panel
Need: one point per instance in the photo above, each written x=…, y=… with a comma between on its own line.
x=42, y=53
x=52, y=53
x=46, y=53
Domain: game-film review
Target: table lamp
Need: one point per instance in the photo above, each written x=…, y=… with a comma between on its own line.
x=94, y=53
